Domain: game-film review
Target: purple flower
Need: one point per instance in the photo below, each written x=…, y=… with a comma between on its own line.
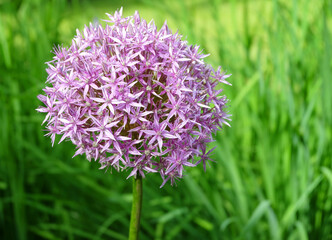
x=135, y=98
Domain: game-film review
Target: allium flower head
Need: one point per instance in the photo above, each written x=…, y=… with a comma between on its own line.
x=135, y=98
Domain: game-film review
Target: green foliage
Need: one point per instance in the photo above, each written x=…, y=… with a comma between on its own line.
x=273, y=176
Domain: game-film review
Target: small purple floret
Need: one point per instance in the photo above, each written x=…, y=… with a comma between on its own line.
x=134, y=98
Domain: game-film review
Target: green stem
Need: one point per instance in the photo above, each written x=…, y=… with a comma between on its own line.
x=136, y=208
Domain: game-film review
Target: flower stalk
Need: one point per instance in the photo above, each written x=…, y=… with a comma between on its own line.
x=136, y=208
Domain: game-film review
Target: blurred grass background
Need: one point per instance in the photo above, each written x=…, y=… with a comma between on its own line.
x=273, y=176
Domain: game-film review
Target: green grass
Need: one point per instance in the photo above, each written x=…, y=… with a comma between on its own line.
x=273, y=176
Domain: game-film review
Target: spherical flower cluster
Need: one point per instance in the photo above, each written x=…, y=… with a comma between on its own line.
x=134, y=98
